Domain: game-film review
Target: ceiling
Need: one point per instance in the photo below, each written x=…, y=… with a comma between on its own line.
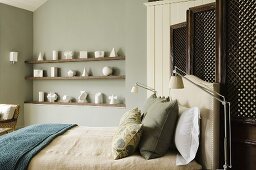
x=30, y=5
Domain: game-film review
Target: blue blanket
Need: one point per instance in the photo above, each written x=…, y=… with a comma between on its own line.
x=19, y=147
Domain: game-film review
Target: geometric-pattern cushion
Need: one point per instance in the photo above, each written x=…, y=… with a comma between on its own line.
x=126, y=140
x=131, y=116
x=128, y=134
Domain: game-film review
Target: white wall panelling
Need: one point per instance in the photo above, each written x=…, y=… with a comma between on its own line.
x=160, y=15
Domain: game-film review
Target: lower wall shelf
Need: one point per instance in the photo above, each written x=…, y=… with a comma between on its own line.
x=79, y=104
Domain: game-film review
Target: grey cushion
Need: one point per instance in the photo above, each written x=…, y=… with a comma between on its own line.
x=151, y=100
x=158, y=129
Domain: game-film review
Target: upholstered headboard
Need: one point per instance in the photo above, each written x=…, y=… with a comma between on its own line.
x=192, y=96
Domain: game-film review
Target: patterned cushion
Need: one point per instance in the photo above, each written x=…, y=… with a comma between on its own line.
x=128, y=134
x=132, y=116
x=126, y=140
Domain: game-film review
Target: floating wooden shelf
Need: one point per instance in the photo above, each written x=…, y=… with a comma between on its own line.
x=80, y=104
x=78, y=78
x=74, y=60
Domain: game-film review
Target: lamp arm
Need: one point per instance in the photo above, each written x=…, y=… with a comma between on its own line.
x=146, y=87
x=230, y=153
x=213, y=93
x=204, y=89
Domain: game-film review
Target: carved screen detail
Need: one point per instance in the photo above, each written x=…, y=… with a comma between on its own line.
x=178, y=46
x=202, y=42
x=241, y=58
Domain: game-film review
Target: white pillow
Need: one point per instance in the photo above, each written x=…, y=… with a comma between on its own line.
x=187, y=136
x=6, y=111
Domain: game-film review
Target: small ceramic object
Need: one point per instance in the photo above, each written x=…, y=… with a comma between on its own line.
x=98, y=98
x=113, y=99
x=71, y=73
x=107, y=71
x=83, y=54
x=41, y=96
x=99, y=54
x=113, y=53
x=40, y=57
x=67, y=99
x=82, y=97
x=85, y=73
x=52, y=97
x=68, y=54
x=54, y=72
x=38, y=73
x=55, y=55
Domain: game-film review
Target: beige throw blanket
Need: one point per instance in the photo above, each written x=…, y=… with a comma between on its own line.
x=87, y=148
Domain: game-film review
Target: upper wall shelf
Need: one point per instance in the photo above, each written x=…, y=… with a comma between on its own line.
x=122, y=77
x=74, y=60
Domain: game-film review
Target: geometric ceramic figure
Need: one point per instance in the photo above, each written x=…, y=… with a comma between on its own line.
x=113, y=53
x=40, y=57
x=99, y=54
x=107, y=71
x=54, y=72
x=83, y=54
x=98, y=98
x=71, y=73
x=113, y=99
x=52, y=97
x=68, y=54
x=54, y=55
x=82, y=98
x=85, y=73
x=41, y=96
x=38, y=73
x=67, y=99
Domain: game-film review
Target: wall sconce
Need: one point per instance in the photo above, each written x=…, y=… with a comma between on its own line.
x=13, y=57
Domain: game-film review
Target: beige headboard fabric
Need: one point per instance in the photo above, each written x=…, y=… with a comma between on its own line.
x=192, y=96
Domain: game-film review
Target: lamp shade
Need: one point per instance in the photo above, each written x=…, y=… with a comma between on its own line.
x=176, y=82
x=134, y=89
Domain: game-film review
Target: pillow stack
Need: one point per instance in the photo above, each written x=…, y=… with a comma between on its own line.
x=158, y=127
x=128, y=134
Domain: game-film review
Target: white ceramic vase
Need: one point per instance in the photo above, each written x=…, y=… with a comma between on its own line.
x=98, y=98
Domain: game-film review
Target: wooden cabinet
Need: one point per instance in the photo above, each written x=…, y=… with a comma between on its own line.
x=160, y=16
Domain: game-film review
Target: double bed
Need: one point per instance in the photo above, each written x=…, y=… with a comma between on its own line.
x=90, y=147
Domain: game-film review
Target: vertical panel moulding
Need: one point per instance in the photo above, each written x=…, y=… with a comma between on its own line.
x=150, y=47
x=159, y=49
x=198, y=2
x=208, y=1
x=166, y=49
x=178, y=11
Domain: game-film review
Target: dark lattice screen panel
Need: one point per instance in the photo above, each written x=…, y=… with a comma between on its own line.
x=241, y=58
x=203, y=42
x=179, y=45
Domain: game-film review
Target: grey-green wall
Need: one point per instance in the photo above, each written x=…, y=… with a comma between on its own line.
x=16, y=34
x=93, y=25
